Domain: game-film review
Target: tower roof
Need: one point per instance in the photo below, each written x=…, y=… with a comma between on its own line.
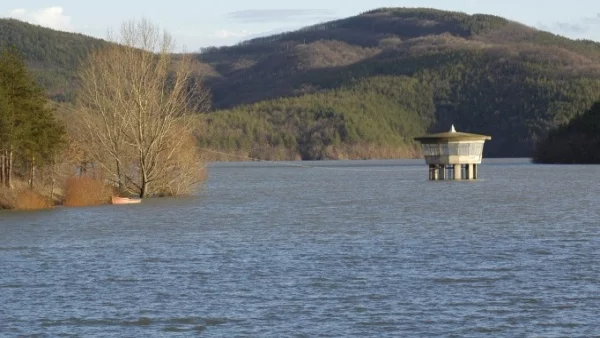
x=452, y=135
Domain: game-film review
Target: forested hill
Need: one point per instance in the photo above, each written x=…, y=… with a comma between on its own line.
x=52, y=55
x=576, y=142
x=386, y=42
x=483, y=73
x=364, y=86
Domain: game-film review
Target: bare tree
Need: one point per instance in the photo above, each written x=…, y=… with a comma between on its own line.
x=136, y=101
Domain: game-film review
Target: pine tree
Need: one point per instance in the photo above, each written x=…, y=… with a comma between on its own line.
x=29, y=132
x=5, y=128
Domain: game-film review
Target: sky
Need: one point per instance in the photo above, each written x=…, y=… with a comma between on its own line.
x=203, y=23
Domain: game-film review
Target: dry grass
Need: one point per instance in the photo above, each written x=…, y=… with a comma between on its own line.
x=86, y=191
x=23, y=198
x=31, y=200
x=7, y=198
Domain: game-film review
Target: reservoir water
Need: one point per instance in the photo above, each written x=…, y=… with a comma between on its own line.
x=328, y=249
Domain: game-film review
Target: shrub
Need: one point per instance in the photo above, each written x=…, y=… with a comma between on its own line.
x=86, y=191
x=7, y=198
x=31, y=200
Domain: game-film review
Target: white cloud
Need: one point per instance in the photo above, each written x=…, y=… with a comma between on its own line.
x=274, y=31
x=17, y=13
x=281, y=15
x=52, y=17
x=226, y=37
x=583, y=28
x=227, y=34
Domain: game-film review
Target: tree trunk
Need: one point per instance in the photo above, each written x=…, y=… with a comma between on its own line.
x=52, y=190
x=32, y=172
x=2, y=168
x=144, y=189
x=5, y=165
x=82, y=168
x=121, y=188
x=144, y=179
x=9, y=166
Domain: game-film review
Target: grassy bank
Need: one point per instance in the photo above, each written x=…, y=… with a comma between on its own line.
x=75, y=191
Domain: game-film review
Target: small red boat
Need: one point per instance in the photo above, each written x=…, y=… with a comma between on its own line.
x=125, y=200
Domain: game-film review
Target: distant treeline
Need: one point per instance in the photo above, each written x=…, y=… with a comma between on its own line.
x=353, y=121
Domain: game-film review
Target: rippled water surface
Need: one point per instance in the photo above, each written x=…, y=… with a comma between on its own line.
x=318, y=249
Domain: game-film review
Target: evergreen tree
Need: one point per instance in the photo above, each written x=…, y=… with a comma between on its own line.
x=577, y=142
x=28, y=129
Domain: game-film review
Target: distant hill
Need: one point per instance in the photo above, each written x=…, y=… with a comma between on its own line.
x=52, y=55
x=385, y=42
x=484, y=73
x=575, y=142
x=364, y=86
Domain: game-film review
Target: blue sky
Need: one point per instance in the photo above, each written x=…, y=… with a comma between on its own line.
x=203, y=23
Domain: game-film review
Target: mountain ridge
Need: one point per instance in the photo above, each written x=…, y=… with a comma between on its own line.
x=288, y=94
